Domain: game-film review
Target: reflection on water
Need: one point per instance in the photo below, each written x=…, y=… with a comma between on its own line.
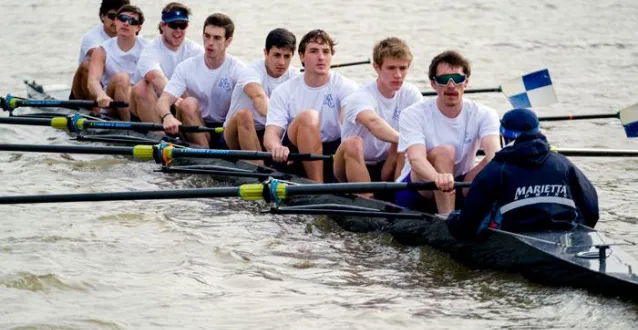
x=220, y=263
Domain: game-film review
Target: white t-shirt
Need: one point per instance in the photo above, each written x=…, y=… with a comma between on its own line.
x=156, y=56
x=91, y=39
x=294, y=96
x=211, y=88
x=366, y=98
x=423, y=123
x=256, y=73
x=120, y=61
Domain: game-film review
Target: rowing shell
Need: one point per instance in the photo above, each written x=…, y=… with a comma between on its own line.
x=581, y=257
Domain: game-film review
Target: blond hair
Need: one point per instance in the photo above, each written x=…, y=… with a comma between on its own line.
x=391, y=47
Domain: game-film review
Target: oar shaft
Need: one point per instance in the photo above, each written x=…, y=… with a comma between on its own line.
x=124, y=125
x=341, y=65
x=579, y=117
x=240, y=154
x=469, y=91
x=26, y=121
x=354, y=188
x=122, y=196
x=15, y=103
x=95, y=150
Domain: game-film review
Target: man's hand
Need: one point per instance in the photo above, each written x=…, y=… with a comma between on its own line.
x=280, y=154
x=103, y=100
x=444, y=182
x=171, y=124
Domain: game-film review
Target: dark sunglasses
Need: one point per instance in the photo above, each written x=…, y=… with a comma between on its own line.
x=111, y=16
x=178, y=25
x=126, y=18
x=444, y=79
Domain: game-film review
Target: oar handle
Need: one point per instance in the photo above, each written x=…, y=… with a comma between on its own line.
x=469, y=91
x=13, y=103
x=300, y=156
x=190, y=129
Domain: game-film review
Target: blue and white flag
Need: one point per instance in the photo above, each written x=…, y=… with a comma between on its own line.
x=629, y=119
x=531, y=90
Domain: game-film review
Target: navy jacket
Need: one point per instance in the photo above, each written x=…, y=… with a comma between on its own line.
x=526, y=187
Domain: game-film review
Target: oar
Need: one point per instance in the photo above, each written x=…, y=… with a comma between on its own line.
x=275, y=190
x=589, y=152
x=11, y=102
x=628, y=117
x=469, y=91
x=77, y=123
x=341, y=65
x=161, y=153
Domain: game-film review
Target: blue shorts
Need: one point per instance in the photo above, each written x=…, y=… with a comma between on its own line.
x=411, y=199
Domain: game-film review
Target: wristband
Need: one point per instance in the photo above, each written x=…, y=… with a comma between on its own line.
x=164, y=116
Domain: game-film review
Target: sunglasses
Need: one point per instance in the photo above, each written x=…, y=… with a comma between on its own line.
x=126, y=18
x=444, y=79
x=178, y=25
x=111, y=16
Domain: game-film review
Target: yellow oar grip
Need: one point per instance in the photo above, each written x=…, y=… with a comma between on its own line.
x=13, y=103
x=59, y=122
x=143, y=152
x=281, y=191
x=251, y=192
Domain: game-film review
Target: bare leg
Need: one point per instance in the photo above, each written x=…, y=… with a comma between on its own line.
x=188, y=113
x=349, y=165
x=304, y=132
x=119, y=89
x=143, y=101
x=442, y=158
x=240, y=133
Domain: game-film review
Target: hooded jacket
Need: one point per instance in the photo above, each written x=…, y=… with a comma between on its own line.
x=526, y=187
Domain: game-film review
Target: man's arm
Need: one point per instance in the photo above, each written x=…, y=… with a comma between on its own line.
x=258, y=96
x=378, y=126
x=272, y=143
x=157, y=80
x=96, y=69
x=163, y=109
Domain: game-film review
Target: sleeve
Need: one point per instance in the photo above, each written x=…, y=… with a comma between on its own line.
x=177, y=84
x=413, y=96
x=347, y=87
x=88, y=43
x=246, y=76
x=277, y=110
x=478, y=204
x=584, y=195
x=410, y=129
x=489, y=123
x=147, y=63
x=355, y=104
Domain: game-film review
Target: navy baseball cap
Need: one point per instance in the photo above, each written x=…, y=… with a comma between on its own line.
x=519, y=122
x=174, y=16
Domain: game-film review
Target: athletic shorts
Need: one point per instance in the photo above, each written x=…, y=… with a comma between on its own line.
x=329, y=148
x=412, y=200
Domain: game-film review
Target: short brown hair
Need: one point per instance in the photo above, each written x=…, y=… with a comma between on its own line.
x=391, y=47
x=319, y=36
x=170, y=7
x=452, y=58
x=222, y=21
x=132, y=9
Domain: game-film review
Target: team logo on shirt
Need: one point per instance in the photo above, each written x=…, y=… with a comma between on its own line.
x=395, y=114
x=329, y=101
x=225, y=84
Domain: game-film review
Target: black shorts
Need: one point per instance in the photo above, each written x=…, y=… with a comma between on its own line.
x=329, y=148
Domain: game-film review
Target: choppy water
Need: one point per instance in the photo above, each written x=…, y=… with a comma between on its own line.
x=220, y=264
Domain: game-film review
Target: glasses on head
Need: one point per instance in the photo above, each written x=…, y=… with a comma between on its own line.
x=111, y=16
x=178, y=25
x=444, y=79
x=126, y=18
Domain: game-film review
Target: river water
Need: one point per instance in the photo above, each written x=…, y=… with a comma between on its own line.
x=202, y=264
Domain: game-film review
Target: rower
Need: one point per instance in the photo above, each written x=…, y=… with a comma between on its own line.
x=526, y=187
x=244, y=125
x=113, y=64
x=91, y=39
x=208, y=80
x=369, y=135
x=441, y=136
x=159, y=59
x=303, y=112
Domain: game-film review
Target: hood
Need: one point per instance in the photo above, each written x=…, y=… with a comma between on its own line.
x=528, y=151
